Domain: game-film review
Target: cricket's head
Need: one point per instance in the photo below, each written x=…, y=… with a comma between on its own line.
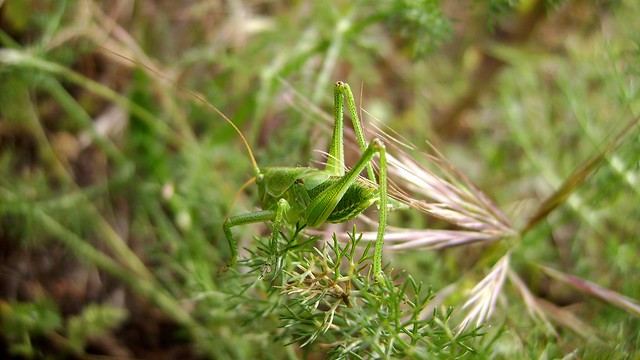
x=275, y=183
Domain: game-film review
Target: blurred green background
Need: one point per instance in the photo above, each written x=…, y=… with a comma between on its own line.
x=115, y=181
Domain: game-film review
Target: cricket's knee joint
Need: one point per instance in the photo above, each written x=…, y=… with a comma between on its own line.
x=342, y=86
x=377, y=143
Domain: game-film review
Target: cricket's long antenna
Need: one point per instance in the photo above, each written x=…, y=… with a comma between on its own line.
x=196, y=95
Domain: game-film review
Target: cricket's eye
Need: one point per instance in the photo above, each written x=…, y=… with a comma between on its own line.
x=260, y=179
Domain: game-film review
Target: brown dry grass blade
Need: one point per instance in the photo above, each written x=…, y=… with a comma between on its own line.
x=591, y=289
x=568, y=319
x=578, y=177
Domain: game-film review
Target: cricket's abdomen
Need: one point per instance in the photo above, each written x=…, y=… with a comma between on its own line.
x=359, y=196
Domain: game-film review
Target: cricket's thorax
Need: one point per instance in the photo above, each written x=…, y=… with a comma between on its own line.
x=299, y=186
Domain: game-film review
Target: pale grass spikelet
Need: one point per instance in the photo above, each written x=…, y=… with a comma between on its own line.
x=398, y=239
x=444, y=193
x=482, y=298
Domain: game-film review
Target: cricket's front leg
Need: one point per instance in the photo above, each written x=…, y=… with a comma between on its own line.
x=276, y=216
x=244, y=219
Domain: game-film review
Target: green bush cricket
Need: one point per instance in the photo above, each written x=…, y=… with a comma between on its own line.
x=311, y=197
x=308, y=196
